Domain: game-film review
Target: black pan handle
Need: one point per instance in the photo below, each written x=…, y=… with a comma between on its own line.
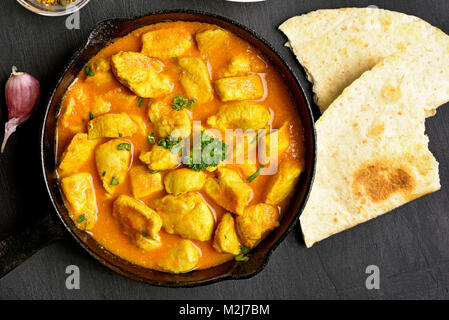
x=15, y=249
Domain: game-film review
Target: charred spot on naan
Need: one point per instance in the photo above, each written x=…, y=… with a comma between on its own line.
x=376, y=129
x=392, y=93
x=380, y=180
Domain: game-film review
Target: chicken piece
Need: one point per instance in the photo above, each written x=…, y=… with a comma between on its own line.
x=159, y=159
x=283, y=182
x=226, y=239
x=168, y=121
x=138, y=222
x=143, y=241
x=80, y=194
x=74, y=107
x=111, y=125
x=241, y=114
x=228, y=190
x=242, y=64
x=281, y=136
x=101, y=73
x=240, y=88
x=186, y=215
x=137, y=72
x=184, y=180
x=255, y=223
x=195, y=79
x=145, y=183
x=113, y=160
x=101, y=65
x=100, y=106
x=239, y=65
x=77, y=154
x=121, y=98
x=212, y=39
x=182, y=258
x=141, y=126
x=166, y=42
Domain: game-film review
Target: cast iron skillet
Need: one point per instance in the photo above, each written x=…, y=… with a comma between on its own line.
x=15, y=249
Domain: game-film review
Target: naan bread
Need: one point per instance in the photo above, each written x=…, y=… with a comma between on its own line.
x=337, y=46
x=372, y=151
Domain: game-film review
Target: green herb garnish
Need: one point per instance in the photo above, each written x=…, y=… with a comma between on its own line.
x=168, y=143
x=89, y=71
x=120, y=135
x=154, y=171
x=124, y=146
x=82, y=218
x=150, y=138
x=140, y=102
x=213, y=148
x=104, y=173
x=146, y=235
x=257, y=135
x=254, y=175
x=91, y=116
x=114, y=181
x=244, y=249
x=241, y=258
x=244, y=254
x=180, y=102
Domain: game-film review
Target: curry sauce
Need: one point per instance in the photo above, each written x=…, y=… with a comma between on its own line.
x=102, y=89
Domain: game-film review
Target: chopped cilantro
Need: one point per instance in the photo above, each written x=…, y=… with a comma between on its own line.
x=210, y=148
x=89, y=71
x=114, y=181
x=120, y=135
x=254, y=175
x=150, y=138
x=91, y=116
x=146, y=235
x=241, y=258
x=124, y=146
x=256, y=138
x=81, y=218
x=180, y=102
x=244, y=249
x=168, y=143
x=244, y=254
x=154, y=171
x=140, y=102
x=104, y=173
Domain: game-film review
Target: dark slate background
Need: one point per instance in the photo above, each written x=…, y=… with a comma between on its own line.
x=410, y=246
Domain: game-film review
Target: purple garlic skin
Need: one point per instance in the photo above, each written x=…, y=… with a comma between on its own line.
x=22, y=93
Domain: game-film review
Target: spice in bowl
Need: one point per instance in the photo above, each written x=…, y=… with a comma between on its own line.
x=55, y=2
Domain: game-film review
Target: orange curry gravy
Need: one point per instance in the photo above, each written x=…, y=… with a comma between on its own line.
x=107, y=231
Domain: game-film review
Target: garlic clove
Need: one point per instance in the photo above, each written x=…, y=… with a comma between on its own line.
x=22, y=93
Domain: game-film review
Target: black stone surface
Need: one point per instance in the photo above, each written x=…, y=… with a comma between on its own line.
x=410, y=245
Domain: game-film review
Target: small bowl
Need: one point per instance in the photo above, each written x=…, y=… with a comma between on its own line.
x=52, y=10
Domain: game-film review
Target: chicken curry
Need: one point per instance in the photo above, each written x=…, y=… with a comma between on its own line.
x=126, y=147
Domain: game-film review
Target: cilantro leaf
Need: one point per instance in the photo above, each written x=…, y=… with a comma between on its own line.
x=180, y=102
x=114, y=181
x=124, y=146
x=209, y=148
x=150, y=138
x=254, y=175
x=168, y=143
